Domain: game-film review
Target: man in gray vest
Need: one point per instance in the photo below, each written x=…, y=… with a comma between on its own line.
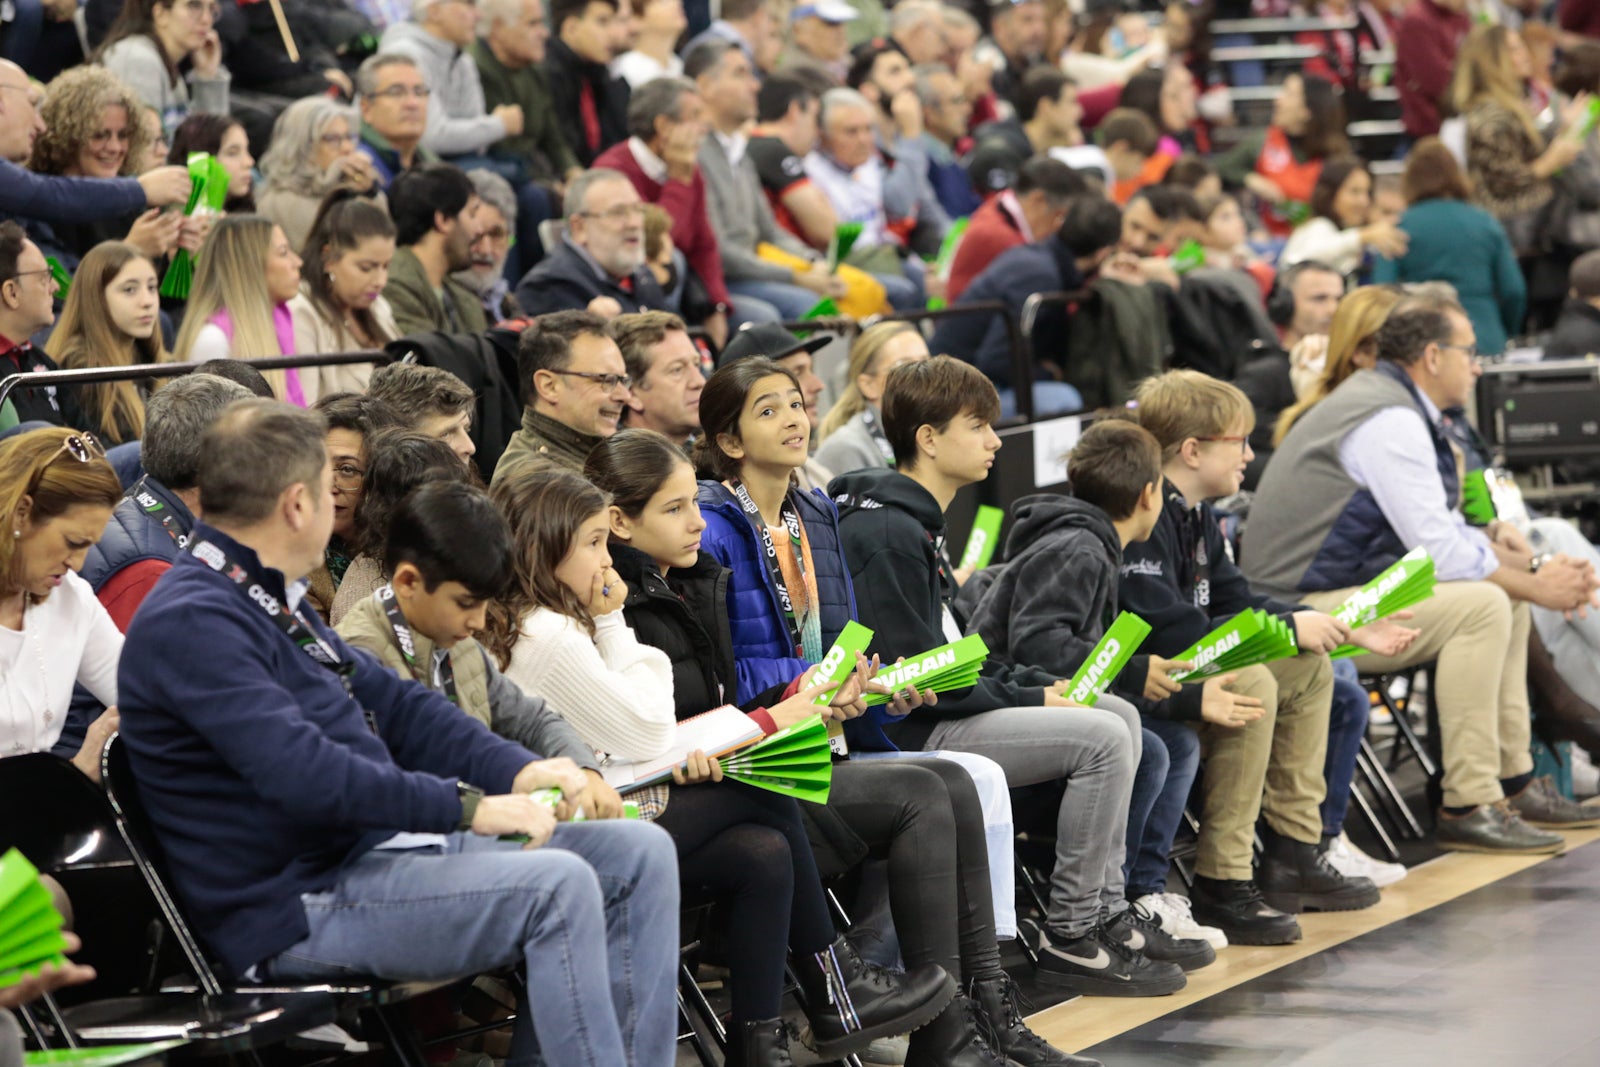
x=1369, y=474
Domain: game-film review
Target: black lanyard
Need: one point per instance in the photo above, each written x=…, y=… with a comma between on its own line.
x=791, y=522
x=161, y=513
x=408, y=646
x=294, y=627
x=869, y=419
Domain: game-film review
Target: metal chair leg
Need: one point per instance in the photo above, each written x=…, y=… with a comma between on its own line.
x=1389, y=794
x=691, y=1034
x=1360, y=801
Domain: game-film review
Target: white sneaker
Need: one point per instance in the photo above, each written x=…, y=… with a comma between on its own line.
x=1350, y=861
x=1172, y=911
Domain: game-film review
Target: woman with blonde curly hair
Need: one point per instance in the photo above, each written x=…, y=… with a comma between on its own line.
x=1352, y=344
x=313, y=152
x=851, y=434
x=94, y=129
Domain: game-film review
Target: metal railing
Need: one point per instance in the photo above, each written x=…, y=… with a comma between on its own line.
x=139, y=372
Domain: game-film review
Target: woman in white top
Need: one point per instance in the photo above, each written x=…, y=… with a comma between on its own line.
x=163, y=49
x=340, y=307
x=1340, y=232
x=56, y=492
x=654, y=53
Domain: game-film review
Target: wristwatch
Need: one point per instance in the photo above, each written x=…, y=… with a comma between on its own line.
x=1539, y=561
x=469, y=795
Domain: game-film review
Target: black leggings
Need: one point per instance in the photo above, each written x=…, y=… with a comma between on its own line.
x=912, y=810
x=747, y=849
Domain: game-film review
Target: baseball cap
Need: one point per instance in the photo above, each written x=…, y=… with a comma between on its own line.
x=834, y=11
x=767, y=339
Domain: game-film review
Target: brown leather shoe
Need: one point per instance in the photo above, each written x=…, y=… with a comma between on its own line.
x=1541, y=804
x=1494, y=828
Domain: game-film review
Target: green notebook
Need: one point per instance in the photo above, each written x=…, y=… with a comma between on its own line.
x=943, y=669
x=1106, y=660
x=1249, y=638
x=984, y=538
x=30, y=925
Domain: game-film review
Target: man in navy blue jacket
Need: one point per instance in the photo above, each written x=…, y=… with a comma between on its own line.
x=321, y=816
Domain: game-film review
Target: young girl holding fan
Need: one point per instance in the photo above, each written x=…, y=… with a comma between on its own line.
x=559, y=634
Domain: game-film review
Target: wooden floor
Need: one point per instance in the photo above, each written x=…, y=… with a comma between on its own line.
x=1235, y=1011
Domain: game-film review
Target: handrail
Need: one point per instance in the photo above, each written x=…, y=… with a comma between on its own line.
x=1031, y=306
x=138, y=372
x=1021, y=358
x=1252, y=27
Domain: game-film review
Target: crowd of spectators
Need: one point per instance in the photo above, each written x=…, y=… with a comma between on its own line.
x=605, y=479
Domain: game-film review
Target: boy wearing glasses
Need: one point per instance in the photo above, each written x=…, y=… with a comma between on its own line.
x=577, y=387
x=1184, y=583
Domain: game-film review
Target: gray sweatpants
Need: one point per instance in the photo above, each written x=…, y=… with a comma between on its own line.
x=1095, y=751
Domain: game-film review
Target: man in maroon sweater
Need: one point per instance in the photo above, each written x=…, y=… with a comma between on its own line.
x=666, y=123
x=1425, y=45
x=1029, y=211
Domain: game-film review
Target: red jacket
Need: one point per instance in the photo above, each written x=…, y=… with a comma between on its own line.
x=1425, y=45
x=990, y=232
x=691, y=226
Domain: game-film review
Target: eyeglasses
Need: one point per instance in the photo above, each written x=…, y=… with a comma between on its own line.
x=21, y=274
x=1471, y=351
x=200, y=7
x=347, y=476
x=105, y=137
x=620, y=213
x=606, y=381
x=400, y=92
x=334, y=140
x=493, y=233
x=83, y=447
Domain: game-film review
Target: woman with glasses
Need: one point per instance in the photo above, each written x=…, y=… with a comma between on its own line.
x=111, y=319
x=244, y=278
x=224, y=138
x=398, y=461
x=56, y=494
x=93, y=129
x=313, y=153
x=353, y=420
x=168, y=53
x=340, y=306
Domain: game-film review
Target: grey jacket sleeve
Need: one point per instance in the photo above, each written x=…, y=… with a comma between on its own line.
x=739, y=261
x=532, y=723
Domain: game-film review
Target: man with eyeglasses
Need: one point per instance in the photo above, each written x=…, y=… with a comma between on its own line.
x=458, y=124
x=599, y=264
x=945, y=138
x=1369, y=474
x=577, y=387
x=27, y=305
x=393, y=94
x=665, y=367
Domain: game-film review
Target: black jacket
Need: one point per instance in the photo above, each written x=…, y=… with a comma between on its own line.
x=680, y=617
x=1577, y=332
x=1265, y=380
x=564, y=281
x=1184, y=583
x=34, y=403
x=566, y=74
x=892, y=533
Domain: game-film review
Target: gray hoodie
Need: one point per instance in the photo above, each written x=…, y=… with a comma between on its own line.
x=457, y=122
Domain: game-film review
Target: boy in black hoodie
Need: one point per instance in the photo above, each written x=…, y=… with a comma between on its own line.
x=937, y=417
x=1055, y=597
x=1184, y=583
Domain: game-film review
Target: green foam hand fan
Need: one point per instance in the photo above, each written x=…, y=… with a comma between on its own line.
x=795, y=762
x=984, y=538
x=63, y=280
x=30, y=925
x=943, y=670
x=1477, y=498
x=1409, y=581
x=1249, y=638
x=101, y=1055
x=837, y=664
x=207, y=193
x=1106, y=660
x=947, y=256
x=844, y=239
x=822, y=309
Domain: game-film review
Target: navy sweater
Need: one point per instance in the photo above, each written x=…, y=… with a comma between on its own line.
x=259, y=772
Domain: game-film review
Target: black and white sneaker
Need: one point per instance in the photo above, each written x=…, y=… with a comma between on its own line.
x=1098, y=965
x=1141, y=931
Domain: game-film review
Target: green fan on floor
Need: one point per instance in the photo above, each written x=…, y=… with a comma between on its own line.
x=795, y=762
x=1408, y=581
x=207, y=193
x=1107, y=658
x=942, y=670
x=1249, y=638
x=30, y=925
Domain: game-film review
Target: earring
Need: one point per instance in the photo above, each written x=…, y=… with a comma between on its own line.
x=16, y=533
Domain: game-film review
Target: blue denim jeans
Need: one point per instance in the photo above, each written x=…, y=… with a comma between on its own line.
x=790, y=301
x=594, y=914
x=1147, y=855
x=1347, y=725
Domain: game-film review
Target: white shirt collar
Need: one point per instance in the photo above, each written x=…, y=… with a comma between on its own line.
x=1013, y=209
x=654, y=167
x=733, y=145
